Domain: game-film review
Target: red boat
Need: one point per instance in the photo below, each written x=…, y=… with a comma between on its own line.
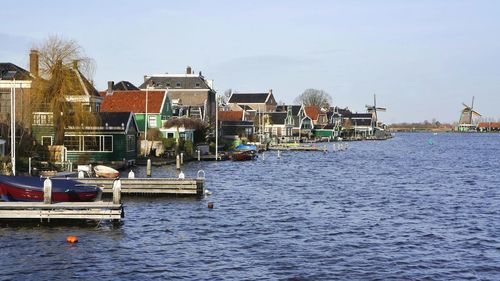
x=23, y=188
x=244, y=155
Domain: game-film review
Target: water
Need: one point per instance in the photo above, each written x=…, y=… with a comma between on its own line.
x=419, y=206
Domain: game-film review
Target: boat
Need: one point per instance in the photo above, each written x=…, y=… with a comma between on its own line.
x=105, y=172
x=244, y=155
x=27, y=188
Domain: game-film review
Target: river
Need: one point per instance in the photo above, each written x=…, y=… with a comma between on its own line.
x=418, y=206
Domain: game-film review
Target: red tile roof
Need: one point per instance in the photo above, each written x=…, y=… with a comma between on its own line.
x=312, y=112
x=230, y=115
x=132, y=101
x=488, y=125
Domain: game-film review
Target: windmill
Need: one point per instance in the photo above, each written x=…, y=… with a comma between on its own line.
x=466, y=117
x=373, y=110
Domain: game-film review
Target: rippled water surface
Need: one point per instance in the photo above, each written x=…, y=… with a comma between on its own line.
x=419, y=206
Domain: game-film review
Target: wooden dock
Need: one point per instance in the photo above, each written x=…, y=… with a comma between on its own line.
x=65, y=210
x=299, y=148
x=151, y=186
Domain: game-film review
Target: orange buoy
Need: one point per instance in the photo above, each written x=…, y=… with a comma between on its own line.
x=72, y=239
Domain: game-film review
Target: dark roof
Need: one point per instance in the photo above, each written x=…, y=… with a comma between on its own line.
x=114, y=119
x=90, y=87
x=283, y=108
x=361, y=116
x=277, y=117
x=245, y=107
x=124, y=86
x=248, y=98
x=188, y=81
x=9, y=71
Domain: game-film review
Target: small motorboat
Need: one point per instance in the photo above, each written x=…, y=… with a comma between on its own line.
x=246, y=147
x=105, y=172
x=26, y=188
x=244, y=155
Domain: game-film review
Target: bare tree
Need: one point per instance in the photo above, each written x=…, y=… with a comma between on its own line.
x=314, y=97
x=61, y=63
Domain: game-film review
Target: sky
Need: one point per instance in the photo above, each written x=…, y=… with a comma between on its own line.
x=422, y=58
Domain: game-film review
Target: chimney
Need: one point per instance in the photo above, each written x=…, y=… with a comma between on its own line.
x=188, y=70
x=75, y=64
x=111, y=84
x=34, y=62
x=270, y=91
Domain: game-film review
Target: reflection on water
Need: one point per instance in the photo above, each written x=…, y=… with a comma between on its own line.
x=406, y=208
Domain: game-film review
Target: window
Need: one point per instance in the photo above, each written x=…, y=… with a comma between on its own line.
x=168, y=84
x=197, y=85
x=89, y=143
x=108, y=143
x=72, y=143
x=131, y=143
x=152, y=121
x=178, y=84
x=170, y=135
x=42, y=118
x=46, y=140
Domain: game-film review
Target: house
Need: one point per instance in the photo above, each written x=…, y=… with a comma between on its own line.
x=259, y=102
x=191, y=95
x=18, y=80
x=157, y=110
x=488, y=126
x=113, y=141
x=234, y=125
x=359, y=124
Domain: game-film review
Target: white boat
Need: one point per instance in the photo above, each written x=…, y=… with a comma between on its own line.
x=105, y=172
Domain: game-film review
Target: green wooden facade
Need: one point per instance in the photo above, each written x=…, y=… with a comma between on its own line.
x=114, y=143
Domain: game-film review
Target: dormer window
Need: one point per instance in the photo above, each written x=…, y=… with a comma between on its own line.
x=178, y=84
x=197, y=85
x=168, y=84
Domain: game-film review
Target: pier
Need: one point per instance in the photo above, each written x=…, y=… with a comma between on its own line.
x=65, y=210
x=151, y=186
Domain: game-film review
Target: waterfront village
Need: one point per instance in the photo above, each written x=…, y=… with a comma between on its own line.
x=165, y=115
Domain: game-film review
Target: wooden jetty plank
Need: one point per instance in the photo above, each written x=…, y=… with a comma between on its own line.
x=65, y=210
x=169, y=186
x=61, y=205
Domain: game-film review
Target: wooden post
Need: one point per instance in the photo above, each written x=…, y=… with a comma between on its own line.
x=182, y=158
x=29, y=166
x=279, y=156
x=47, y=191
x=199, y=155
x=148, y=168
x=117, y=191
x=178, y=162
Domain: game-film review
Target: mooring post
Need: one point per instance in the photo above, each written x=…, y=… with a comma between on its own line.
x=199, y=155
x=131, y=174
x=182, y=158
x=178, y=162
x=29, y=166
x=47, y=191
x=117, y=191
x=279, y=154
x=148, y=168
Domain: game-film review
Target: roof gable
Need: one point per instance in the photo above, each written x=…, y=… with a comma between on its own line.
x=312, y=111
x=10, y=71
x=125, y=86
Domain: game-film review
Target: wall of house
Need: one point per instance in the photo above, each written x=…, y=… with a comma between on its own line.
x=139, y=117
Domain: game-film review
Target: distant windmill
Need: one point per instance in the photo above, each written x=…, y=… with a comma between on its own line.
x=373, y=110
x=467, y=114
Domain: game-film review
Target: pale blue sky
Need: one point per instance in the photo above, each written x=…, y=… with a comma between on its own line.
x=421, y=58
